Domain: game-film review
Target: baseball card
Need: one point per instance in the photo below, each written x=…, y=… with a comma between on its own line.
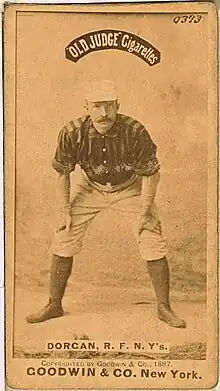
x=110, y=167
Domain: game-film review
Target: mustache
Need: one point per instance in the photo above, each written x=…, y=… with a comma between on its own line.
x=104, y=119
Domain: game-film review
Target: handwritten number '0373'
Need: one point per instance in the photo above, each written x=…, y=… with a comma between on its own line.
x=187, y=19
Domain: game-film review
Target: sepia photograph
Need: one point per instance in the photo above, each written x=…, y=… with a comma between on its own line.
x=111, y=195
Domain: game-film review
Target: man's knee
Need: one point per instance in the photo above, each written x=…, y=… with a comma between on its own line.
x=152, y=246
x=66, y=244
x=65, y=249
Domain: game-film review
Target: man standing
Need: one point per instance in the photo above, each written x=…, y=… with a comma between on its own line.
x=119, y=170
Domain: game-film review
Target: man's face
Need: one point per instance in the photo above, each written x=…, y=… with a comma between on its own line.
x=103, y=114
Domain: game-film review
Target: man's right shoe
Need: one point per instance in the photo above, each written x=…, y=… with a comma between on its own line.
x=60, y=272
x=49, y=312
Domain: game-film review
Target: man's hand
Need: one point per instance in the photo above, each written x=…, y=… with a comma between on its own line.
x=65, y=220
x=148, y=219
x=150, y=223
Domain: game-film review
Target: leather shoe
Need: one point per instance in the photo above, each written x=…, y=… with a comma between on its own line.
x=49, y=312
x=166, y=314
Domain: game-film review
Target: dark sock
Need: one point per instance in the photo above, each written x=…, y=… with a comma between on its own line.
x=60, y=271
x=159, y=274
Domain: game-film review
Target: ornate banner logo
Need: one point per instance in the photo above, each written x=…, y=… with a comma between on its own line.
x=112, y=40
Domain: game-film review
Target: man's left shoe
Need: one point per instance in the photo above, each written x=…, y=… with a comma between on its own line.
x=166, y=314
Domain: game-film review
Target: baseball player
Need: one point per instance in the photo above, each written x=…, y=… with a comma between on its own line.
x=119, y=170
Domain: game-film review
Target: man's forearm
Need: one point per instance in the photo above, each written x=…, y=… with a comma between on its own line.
x=63, y=184
x=148, y=192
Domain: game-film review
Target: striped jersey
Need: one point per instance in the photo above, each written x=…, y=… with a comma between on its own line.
x=125, y=149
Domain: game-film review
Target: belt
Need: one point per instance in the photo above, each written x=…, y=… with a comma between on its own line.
x=111, y=188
